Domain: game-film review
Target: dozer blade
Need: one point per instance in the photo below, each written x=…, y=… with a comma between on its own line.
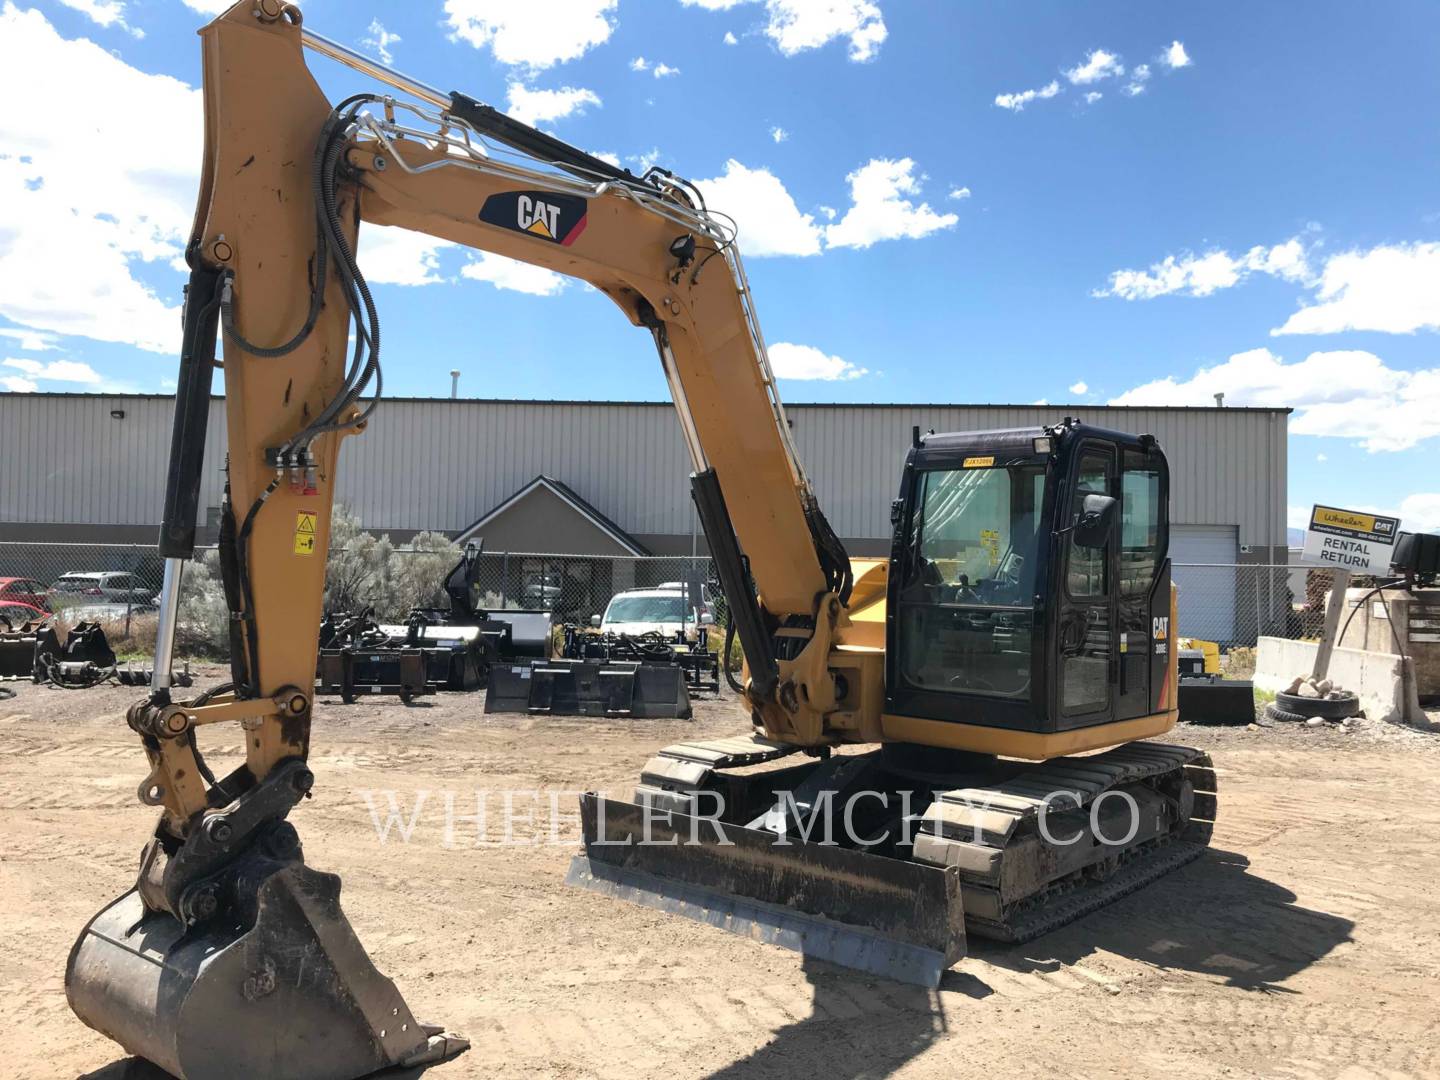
x=903, y=920
x=292, y=995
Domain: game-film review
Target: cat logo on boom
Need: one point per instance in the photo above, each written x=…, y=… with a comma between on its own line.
x=559, y=219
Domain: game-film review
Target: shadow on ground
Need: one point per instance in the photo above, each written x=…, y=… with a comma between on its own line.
x=1213, y=918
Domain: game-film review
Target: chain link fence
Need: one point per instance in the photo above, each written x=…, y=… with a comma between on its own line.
x=118, y=585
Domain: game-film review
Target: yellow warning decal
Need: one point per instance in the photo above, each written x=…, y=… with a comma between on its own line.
x=979, y=462
x=305, y=532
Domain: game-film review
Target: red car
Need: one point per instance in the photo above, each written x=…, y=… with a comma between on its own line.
x=17, y=615
x=19, y=590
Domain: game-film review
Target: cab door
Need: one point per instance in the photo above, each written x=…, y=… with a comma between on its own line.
x=1086, y=626
x=1144, y=585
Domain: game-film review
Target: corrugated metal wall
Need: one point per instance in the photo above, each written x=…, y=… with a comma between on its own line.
x=441, y=464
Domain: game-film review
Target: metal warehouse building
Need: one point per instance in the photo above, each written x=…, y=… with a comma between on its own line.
x=603, y=478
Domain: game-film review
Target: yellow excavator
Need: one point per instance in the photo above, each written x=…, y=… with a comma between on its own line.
x=918, y=761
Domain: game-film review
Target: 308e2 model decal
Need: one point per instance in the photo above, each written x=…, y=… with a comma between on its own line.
x=557, y=218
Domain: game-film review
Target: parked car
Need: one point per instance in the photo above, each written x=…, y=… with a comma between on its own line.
x=17, y=615
x=641, y=611
x=706, y=603
x=106, y=611
x=20, y=590
x=114, y=586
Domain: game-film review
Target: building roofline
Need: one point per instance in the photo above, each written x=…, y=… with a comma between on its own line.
x=573, y=499
x=1055, y=407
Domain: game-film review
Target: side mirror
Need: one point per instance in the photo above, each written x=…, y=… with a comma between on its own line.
x=595, y=621
x=1097, y=515
x=897, y=512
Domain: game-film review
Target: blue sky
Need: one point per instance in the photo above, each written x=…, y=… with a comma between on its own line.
x=1262, y=219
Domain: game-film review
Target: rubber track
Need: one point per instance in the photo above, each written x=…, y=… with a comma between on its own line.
x=1069, y=899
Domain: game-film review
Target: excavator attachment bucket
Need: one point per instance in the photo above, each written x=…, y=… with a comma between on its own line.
x=291, y=994
x=900, y=919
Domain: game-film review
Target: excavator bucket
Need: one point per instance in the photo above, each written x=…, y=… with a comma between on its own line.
x=289, y=992
x=900, y=919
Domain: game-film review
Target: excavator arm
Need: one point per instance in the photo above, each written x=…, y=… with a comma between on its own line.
x=288, y=182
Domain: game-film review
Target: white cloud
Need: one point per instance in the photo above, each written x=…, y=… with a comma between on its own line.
x=1201, y=275
x=879, y=209
x=1348, y=394
x=531, y=106
x=106, y=13
x=1138, y=77
x=532, y=34
x=1175, y=56
x=639, y=64
x=17, y=385
x=210, y=7
x=959, y=193
x=31, y=340
x=1081, y=387
x=730, y=39
x=829, y=212
x=1322, y=458
x=607, y=156
x=1392, y=288
x=661, y=71
x=1420, y=512
x=379, y=40
x=55, y=370
x=644, y=162
x=506, y=273
x=69, y=244
x=1017, y=102
x=1098, y=65
x=769, y=221
x=807, y=362
x=779, y=134
x=797, y=25
x=389, y=255
x=1093, y=96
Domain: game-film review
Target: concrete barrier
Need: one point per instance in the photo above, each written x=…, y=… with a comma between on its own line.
x=1384, y=682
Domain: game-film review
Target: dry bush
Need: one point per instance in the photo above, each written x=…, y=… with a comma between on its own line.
x=1238, y=663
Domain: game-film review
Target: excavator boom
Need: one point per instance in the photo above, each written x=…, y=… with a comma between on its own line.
x=1015, y=618
x=228, y=938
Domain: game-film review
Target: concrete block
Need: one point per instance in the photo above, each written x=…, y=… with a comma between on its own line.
x=1384, y=682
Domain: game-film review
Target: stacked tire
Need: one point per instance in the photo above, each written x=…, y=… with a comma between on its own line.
x=1295, y=709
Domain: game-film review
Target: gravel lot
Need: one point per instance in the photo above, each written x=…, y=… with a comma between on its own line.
x=1303, y=945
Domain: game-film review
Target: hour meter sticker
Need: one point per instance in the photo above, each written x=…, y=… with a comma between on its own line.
x=560, y=219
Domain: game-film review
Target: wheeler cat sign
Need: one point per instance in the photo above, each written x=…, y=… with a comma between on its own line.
x=1350, y=540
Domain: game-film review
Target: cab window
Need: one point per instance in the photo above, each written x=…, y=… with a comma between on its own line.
x=1142, y=522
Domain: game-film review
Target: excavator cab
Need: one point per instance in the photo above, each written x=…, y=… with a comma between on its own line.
x=1028, y=582
x=1027, y=615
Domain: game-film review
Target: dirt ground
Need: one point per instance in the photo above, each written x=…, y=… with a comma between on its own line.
x=1302, y=945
